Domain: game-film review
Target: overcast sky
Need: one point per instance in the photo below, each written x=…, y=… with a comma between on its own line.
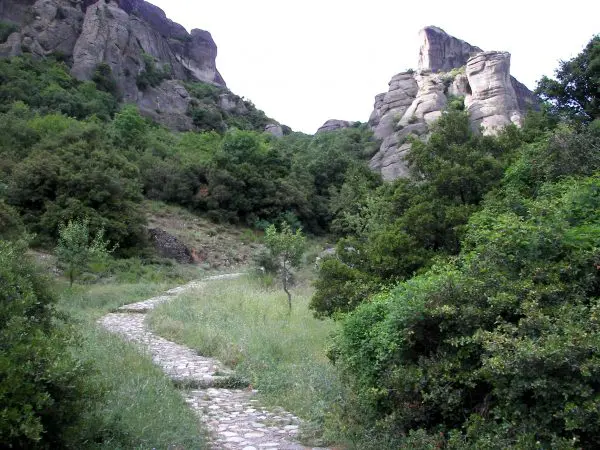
x=304, y=62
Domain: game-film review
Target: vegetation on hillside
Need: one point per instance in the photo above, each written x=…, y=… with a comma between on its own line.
x=465, y=296
x=490, y=340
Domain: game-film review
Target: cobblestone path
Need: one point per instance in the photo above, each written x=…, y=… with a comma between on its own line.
x=233, y=416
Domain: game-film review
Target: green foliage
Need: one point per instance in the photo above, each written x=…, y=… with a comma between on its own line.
x=208, y=119
x=287, y=247
x=72, y=171
x=574, y=92
x=152, y=76
x=130, y=128
x=396, y=230
x=285, y=244
x=75, y=251
x=11, y=225
x=42, y=389
x=342, y=289
x=104, y=80
x=215, y=108
x=6, y=29
x=45, y=85
x=493, y=349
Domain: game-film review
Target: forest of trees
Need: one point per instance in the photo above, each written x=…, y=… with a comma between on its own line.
x=468, y=294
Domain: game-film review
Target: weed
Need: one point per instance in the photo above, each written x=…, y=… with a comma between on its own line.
x=242, y=323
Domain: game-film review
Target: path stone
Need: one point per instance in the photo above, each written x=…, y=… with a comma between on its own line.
x=233, y=416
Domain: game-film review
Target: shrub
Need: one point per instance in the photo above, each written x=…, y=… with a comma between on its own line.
x=6, y=29
x=496, y=349
x=11, y=225
x=42, y=392
x=151, y=76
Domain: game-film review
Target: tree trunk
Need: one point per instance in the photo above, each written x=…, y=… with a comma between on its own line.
x=285, y=288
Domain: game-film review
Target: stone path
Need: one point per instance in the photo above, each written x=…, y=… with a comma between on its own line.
x=233, y=416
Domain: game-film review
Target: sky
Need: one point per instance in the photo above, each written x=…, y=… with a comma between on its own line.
x=304, y=62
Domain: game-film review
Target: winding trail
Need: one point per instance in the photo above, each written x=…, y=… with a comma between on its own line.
x=233, y=417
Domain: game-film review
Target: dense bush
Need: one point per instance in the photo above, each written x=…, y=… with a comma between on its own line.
x=574, y=92
x=6, y=29
x=497, y=348
x=42, y=390
x=72, y=171
x=397, y=229
x=47, y=86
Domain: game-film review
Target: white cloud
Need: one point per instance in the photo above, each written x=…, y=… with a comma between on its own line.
x=304, y=62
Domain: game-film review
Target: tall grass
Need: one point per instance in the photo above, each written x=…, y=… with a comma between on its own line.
x=138, y=407
x=248, y=327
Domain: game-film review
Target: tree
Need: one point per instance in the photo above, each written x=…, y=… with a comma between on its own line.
x=287, y=247
x=75, y=251
x=576, y=90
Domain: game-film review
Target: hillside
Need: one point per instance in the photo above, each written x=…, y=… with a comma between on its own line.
x=149, y=60
x=458, y=309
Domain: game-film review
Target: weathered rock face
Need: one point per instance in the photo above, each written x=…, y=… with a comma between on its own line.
x=275, y=129
x=441, y=52
x=168, y=246
x=120, y=34
x=334, y=124
x=15, y=11
x=493, y=103
x=391, y=106
x=448, y=67
x=46, y=27
x=167, y=104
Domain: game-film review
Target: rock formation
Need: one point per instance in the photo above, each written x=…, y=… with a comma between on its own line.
x=441, y=52
x=334, y=124
x=448, y=67
x=275, y=129
x=123, y=34
x=168, y=246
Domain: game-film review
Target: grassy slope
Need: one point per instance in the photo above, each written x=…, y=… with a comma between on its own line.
x=243, y=323
x=140, y=408
x=248, y=327
x=220, y=246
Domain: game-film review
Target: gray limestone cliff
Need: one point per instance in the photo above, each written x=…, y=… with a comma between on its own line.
x=126, y=35
x=448, y=68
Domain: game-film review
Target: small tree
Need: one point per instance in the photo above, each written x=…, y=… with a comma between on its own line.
x=287, y=247
x=75, y=251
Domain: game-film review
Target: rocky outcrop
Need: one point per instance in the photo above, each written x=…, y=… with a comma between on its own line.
x=391, y=106
x=168, y=246
x=275, y=129
x=493, y=102
x=167, y=104
x=448, y=68
x=122, y=34
x=334, y=124
x=48, y=27
x=15, y=11
x=441, y=52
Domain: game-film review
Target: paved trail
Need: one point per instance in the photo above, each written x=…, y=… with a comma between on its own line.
x=233, y=416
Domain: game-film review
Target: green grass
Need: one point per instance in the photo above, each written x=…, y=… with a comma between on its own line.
x=138, y=406
x=247, y=326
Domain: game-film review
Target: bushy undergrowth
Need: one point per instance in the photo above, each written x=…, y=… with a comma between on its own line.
x=497, y=348
x=250, y=329
x=43, y=385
